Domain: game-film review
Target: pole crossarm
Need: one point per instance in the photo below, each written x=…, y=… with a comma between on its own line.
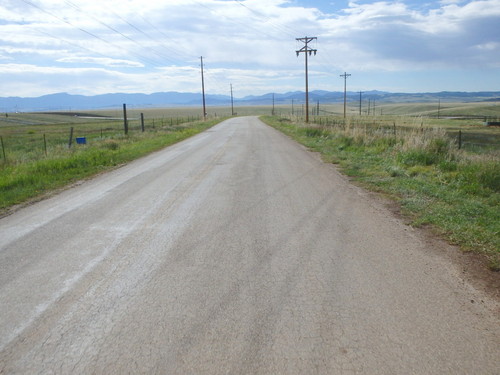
x=306, y=48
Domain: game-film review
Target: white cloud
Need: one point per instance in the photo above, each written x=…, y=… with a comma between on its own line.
x=396, y=37
x=141, y=46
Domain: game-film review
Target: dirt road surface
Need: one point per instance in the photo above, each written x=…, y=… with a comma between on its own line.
x=233, y=252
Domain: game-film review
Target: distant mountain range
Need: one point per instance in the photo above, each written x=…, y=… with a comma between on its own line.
x=63, y=101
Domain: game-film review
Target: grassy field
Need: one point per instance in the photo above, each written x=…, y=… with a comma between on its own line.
x=35, y=156
x=414, y=160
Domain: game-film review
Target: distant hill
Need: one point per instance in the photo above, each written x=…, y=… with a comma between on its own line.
x=63, y=101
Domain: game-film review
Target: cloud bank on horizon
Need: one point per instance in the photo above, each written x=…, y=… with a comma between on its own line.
x=131, y=46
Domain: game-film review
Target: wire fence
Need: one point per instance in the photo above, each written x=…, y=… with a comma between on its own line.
x=24, y=143
x=477, y=139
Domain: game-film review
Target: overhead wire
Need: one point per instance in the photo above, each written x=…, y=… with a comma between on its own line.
x=140, y=57
x=76, y=7
x=160, y=54
x=283, y=28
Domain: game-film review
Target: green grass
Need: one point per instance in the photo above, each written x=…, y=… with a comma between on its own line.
x=455, y=192
x=28, y=172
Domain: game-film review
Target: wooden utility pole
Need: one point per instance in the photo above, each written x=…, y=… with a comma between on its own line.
x=307, y=51
x=345, y=75
x=232, y=103
x=360, y=93
x=203, y=91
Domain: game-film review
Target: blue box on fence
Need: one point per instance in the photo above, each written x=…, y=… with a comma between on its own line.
x=81, y=140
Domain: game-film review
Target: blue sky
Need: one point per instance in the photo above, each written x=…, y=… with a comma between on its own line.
x=101, y=46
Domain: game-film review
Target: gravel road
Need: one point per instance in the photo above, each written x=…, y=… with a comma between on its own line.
x=233, y=252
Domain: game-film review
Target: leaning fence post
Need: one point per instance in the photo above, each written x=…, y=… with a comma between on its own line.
x=3, y=150
x=70, y=137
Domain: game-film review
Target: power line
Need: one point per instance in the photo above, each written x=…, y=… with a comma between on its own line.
x=140, y=57
x=282, y=28
x=112, y=28
x=153, y=38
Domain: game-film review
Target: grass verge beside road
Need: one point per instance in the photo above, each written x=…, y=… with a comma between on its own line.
x=21, y=181
x=455, y=192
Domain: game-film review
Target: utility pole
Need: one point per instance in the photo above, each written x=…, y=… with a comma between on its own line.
x=360, y=93
x=345, y=75
x=232, y=103
x=306, y=51
x=203, y=90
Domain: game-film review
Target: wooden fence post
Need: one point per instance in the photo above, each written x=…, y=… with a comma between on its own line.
x=45, y=144
x=142, y=122
x=70, y=137
x=3, y=150
x=125, y=122
x=459, y=139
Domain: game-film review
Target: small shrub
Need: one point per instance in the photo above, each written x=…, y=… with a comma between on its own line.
x=439, y=146
x=395, y=171
x=448, y=165
x=315, y=132
x=488, y=175
x=417, y=157
x=111, y=145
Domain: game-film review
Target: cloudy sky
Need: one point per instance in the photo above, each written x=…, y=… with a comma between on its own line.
x=105, y=46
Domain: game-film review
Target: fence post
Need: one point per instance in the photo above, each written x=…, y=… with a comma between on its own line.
x=45, y=144
x=125, y=122
x=142, y=122
x=3, y=150
x=70, y=137
x=459, y=139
